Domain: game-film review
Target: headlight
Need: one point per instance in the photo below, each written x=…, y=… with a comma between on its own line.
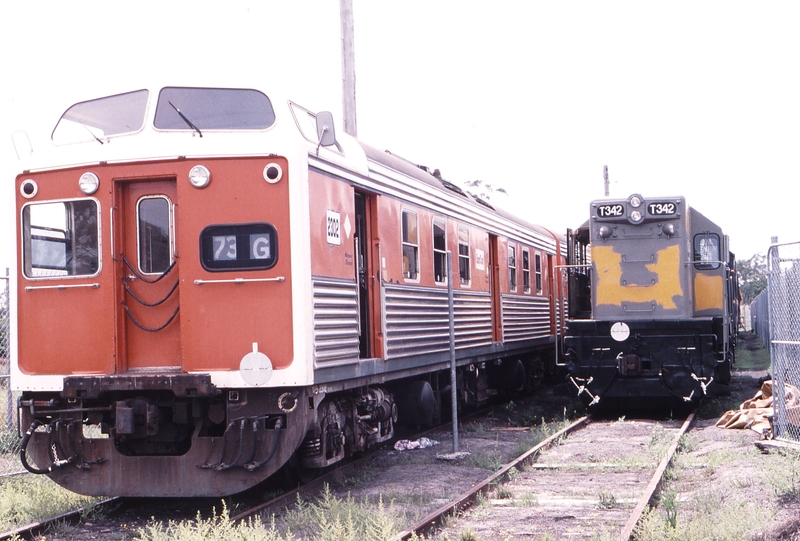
x=273, y=173
x=88, y=183
x=636, y=216
x=28, y=188
x=199, y=176
x=635, y=201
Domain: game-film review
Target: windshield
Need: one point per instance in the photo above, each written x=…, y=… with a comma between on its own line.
x=197, y=109
x=101, y=118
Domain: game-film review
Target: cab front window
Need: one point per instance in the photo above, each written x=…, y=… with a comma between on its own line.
x=706, y=251
x=97, y=120
x=60, y=239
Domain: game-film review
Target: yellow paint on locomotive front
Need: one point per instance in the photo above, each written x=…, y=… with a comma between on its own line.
x=708, y=292
x=611, y=290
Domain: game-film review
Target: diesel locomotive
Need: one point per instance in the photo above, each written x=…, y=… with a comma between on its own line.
x=653, y=303
x=213, y=283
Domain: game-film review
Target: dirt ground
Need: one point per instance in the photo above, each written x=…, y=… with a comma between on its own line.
x=725, y=462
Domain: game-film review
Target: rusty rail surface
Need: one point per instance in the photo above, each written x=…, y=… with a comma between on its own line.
x=464, y=501
x=654, y=486
x=468, y=498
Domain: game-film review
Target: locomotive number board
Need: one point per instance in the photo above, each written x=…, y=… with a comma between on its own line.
x=662, y=209
x=617, y=210
x=611, y=211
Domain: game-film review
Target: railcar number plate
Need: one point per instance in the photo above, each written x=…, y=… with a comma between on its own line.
x=662, y=209
x=610, y=211
x=333, y=230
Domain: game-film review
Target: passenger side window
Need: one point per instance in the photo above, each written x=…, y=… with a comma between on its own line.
x=410, y=245
x=512, y=267
x=463, y=256
x=526, y=271
x=538, y=270
x=439, y=252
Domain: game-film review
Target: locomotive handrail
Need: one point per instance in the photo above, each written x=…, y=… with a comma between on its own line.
x=726, y=263
x=240, y=280
x=63, y=286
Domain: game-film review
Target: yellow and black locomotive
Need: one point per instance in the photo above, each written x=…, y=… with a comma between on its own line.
x=653, y=303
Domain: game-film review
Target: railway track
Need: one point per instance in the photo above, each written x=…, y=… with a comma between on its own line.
x=589, y=475
x=246, y=505
x=597, y=481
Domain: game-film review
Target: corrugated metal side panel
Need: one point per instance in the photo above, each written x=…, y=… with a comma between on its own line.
x=473, y=319
x=335, y=321
x=417, y=322
x=525, y=318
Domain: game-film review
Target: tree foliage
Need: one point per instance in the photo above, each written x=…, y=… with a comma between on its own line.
x=480, y=189
x=752, y=276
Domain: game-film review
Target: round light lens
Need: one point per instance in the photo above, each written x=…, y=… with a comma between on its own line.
x=635, y=201
x=273, y=173
x=28, y=188
x=636, y=216
x=620, y=331
x=199, y=176
x=88, y=183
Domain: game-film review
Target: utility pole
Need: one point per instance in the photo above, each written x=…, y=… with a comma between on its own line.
x=605, y=176
x=348, y=67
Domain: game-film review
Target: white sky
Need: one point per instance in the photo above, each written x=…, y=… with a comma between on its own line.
x=700, y=99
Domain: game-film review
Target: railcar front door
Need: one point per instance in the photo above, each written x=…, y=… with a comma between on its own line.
x=150, y=297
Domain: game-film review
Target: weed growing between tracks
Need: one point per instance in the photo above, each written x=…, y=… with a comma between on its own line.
x=34, y=498
x=329, y=518
x=721, y=487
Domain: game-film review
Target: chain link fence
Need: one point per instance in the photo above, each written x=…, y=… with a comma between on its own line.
x=784, y=321
x=9, y=440
x=759, y=317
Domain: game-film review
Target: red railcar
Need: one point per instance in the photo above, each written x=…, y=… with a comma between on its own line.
x=212, y=284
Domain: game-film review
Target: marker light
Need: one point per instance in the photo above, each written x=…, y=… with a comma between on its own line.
x=199, y=176
x=669, y=229
x=28, y=188
x=88, y=183
x=273, y=173
x=605, y=231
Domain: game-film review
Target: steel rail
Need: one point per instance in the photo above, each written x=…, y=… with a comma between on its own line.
x=315, y=485
x=312, y=487
x=468, y=498
x=654, y=486
x=32, y=530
